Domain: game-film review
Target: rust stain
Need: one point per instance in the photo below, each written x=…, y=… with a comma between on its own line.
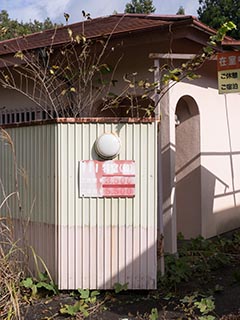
x=80, y=120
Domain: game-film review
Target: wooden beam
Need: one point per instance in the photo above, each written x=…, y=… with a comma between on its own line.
x=182, y=56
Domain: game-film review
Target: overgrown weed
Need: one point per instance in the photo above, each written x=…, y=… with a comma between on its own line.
x=197, y=258
x=11, y=272
x=14, y=249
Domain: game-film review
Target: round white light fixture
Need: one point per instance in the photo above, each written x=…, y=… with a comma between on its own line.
x=108, y=145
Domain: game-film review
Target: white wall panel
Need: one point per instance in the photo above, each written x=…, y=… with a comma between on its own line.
x=85, y=242
x=114, y=239
x=36, y=175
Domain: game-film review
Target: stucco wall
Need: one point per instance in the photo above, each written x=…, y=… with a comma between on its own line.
x=187, y=168
x=219, y=155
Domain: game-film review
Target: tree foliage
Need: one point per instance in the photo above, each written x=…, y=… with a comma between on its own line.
x=140, y=6
x=180, y=10
x=10, y=28
x=62, y=82
x=216, y=12
x=74, y=80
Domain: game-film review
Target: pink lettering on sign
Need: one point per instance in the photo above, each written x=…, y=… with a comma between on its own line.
x=228, y=60
x=113, y=178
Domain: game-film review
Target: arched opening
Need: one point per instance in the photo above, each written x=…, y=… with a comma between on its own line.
x=187, y=167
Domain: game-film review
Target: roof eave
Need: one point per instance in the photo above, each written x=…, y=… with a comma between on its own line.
x=231, y=44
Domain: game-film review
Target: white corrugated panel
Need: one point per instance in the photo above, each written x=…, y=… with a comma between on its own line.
x=103, y=241
x=35, y=160
x=85, y=242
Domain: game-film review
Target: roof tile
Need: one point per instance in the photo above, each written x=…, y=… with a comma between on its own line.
x=113, y=25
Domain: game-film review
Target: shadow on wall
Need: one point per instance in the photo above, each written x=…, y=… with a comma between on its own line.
x=119, y=257
x=187, y=168
x=168, y=185
x=188, y=203
x=204, y=204
x=197, y=205
x=220, y=204
x=198, y=195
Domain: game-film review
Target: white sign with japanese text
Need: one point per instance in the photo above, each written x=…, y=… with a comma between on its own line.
x=229, y=72
x=112, y=178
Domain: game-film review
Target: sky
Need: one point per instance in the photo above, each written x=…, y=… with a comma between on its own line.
x=25, y=10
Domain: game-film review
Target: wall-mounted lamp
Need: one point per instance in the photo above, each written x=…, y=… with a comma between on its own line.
x=108, y=145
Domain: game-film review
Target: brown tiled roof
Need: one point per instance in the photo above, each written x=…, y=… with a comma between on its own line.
x=118, y=24
x=235, y=44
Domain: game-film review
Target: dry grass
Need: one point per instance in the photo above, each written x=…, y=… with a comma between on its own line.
x=11, y=271
x=11, y=252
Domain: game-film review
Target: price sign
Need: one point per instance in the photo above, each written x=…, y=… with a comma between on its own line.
x=113, y=178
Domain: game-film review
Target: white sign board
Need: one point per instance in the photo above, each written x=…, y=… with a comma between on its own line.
x=113, y=178
x=228, y=72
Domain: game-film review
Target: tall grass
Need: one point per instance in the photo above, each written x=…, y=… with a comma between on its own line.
x=11, y=271
x=15, y=251
x=12, y=255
